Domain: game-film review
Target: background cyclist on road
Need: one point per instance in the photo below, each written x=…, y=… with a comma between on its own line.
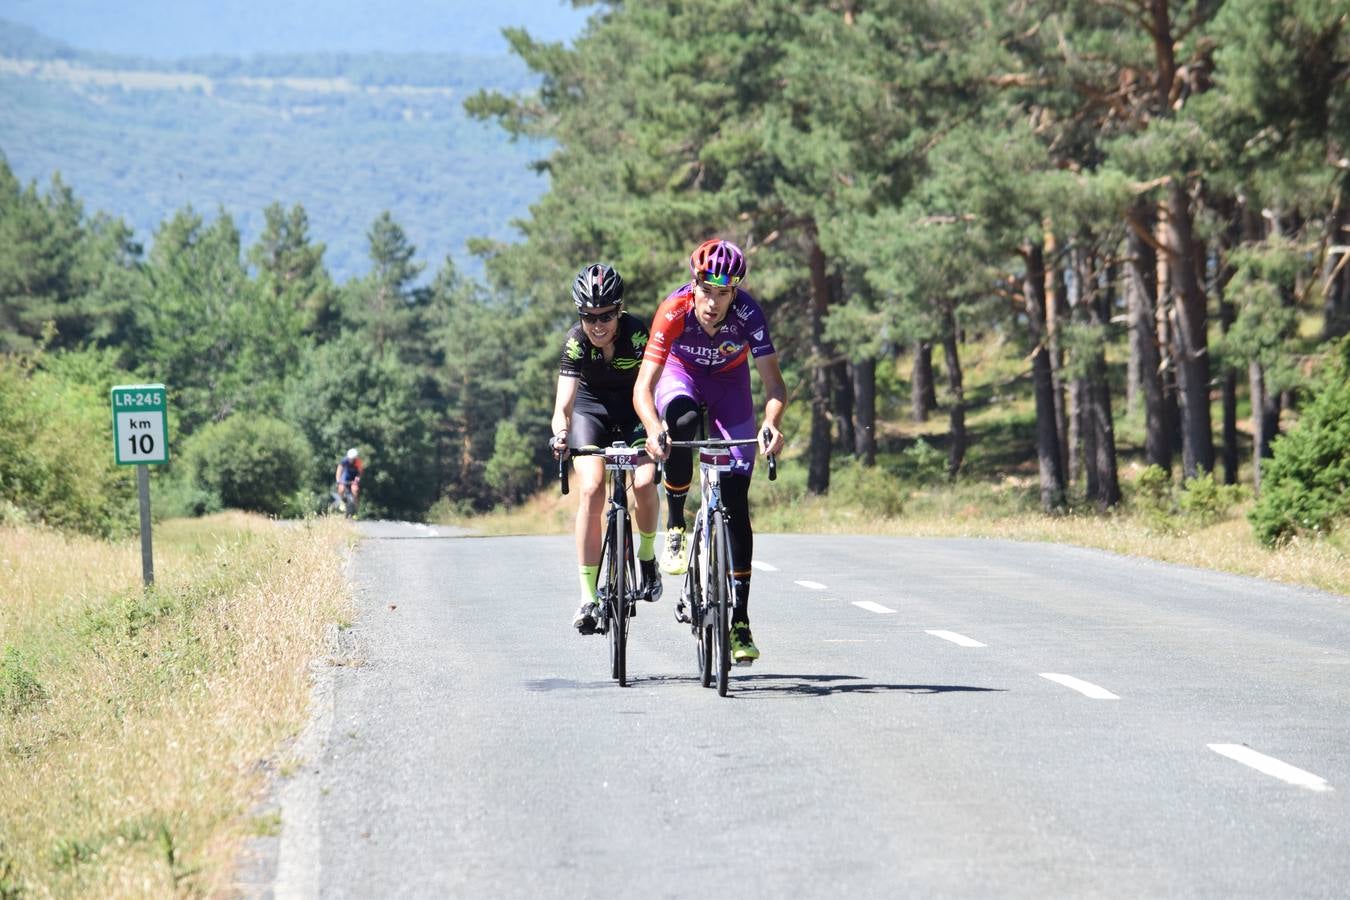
x=594, y=406
x=701, y=337
x=348, y=474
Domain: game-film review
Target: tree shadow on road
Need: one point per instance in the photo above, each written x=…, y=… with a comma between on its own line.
x=770, y=685
x=829, y=685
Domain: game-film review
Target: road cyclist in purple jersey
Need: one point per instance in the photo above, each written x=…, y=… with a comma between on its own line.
x=594, y=407
x=702, y=338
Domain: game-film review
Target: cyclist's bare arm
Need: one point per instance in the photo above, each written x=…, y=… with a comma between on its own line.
x=775, y=401
x=563, y=402
x=644, y=404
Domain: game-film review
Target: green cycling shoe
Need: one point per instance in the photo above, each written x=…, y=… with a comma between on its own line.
x=743, y=649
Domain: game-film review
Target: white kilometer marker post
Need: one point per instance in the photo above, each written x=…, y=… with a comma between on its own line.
x=1086, y=688
x=872, y=607
x=762, y=566
x=813, y=585
x=1271, y=766
x=958, y=639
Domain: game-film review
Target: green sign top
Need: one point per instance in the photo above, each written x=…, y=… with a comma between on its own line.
x=138, y=398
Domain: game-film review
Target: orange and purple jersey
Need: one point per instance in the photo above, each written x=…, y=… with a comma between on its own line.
x=676, y=333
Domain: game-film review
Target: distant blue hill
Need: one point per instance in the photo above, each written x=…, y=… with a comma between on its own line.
x=173, y=29
x=347, y=135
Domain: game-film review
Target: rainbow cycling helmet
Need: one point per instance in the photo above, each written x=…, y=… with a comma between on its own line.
x=596, y=286
x=718, y=262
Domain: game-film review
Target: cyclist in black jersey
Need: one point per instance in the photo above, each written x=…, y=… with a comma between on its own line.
x=594, y=406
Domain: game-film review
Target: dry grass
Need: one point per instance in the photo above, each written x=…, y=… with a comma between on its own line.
x=138, y=727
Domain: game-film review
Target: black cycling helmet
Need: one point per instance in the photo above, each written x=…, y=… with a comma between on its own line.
x=596, y=286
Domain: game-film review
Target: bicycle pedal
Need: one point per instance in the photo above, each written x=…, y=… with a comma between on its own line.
x=743, y=663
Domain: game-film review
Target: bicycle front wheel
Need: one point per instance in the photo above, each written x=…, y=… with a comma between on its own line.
x=698, y=611
x=619, y=584
x=719, y=581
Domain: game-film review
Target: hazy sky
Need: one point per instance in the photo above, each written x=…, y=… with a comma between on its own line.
x=177, y=28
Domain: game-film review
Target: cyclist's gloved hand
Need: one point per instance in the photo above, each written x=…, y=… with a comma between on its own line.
x=658, y=446
x=558, y=444
x=770, y=440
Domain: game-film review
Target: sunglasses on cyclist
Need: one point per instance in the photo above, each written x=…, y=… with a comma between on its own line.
x=599, y=317
x=722, y=280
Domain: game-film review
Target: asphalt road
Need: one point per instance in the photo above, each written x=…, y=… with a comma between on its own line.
x=930, y=718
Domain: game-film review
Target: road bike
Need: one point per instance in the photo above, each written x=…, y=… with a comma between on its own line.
x=618, y=589
x=344, y=500
x=708, y=595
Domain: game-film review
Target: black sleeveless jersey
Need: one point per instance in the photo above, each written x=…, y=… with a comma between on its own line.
x=608, y=383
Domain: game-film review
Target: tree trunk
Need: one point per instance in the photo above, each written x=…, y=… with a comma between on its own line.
x=1265, y=403
x=1049, y=462
x=922, y=393
x=843, y=405
x=1336, y=269
x=1165, y=327
x=1141, y=286
x=1265, y=419
x=1228, y=383
x=1099, y=434
x=1080, y=438
x=1055, y=312
x=956, y=451
x=818, y=466
x=1189, y=339
x=1134, y=368
x=865, y=410
x=1080, y=451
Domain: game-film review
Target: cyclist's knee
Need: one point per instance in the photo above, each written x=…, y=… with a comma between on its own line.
x=644, y=478
x=591, y=493
x=681, y=417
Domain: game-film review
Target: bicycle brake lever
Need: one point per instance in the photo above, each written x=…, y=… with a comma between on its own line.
x=767, y=437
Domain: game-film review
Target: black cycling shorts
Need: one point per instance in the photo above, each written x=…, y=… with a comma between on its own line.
x=593, y=425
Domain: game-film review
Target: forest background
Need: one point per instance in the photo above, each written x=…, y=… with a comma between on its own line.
x=1140, y=206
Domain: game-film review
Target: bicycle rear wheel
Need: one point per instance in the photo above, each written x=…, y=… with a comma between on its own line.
x=719, y=580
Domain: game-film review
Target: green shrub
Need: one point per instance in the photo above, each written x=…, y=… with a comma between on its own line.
x=1203, y=501
x=56, y=454
x=177, y=495
x=874, y=490
x=924, y=462
x=512, y=471
x=19, y=687
x=1199, y=502
x=1305, y=486
x=250, y=462
x=1153, y=499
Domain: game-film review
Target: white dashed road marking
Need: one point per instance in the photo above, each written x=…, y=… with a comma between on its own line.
x=813, y=585
x=872, y=607
x=958, y=639
x=1086, y=688
x=762, y=566
x=1271, y=766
